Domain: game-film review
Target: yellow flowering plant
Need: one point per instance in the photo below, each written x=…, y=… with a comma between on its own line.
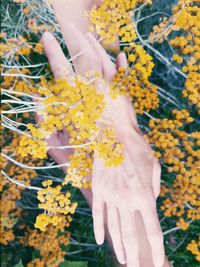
x=161, y=80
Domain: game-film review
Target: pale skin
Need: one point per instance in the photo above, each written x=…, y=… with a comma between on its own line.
x=123, y=199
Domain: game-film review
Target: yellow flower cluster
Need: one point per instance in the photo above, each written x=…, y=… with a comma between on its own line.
x=33, y=145
x=192, y=88
x=11, y=193
x=75, y=108
x=30, y=10
x=43, y=220
x=177, y=58
x=142, y=61
x=55, y=204
x=182, y=18
x=113, y=19
x=11, y=143
x=9, y=212
x=162, y=31
x=35, y=27
x=179, y=152
x=194, y=247
x=186, y=17
x=72, y=107
x=189, y=46
x=117, y=86
x=38, y=48
x=135, y=80
x=19, y=85
x=107, y=148
x=80, y=169
x=182, y=224
x=49, y=243
x=18, y=46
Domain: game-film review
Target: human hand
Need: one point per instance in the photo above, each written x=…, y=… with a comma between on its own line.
x=133, y=185
x=121, y=193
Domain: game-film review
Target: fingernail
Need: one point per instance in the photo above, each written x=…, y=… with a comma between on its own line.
x=99, y=240
x=122, y=261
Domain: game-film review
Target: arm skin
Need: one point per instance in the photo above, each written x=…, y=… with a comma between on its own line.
x=74, y=12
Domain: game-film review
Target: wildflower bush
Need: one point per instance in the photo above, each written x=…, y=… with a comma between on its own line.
x=44, y=219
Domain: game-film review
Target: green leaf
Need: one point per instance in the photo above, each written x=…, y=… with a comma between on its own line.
x=73, y=264
x=19, y=264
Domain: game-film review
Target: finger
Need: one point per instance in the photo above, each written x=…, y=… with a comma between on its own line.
x=129, y=238
x=60, y=66
x=115, y=232
x=144, y=247
x=109, y=68
x=121, y=60
x=98, y=219
x=156, y=178
x=153, y=230
x=84, y=57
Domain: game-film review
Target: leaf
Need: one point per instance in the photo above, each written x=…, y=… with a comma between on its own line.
x=19, y=264
x=73, y=264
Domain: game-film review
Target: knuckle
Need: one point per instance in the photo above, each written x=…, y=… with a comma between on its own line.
x=122, y=194
x=95, y=187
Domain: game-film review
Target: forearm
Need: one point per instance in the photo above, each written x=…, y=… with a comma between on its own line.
x=73, y=12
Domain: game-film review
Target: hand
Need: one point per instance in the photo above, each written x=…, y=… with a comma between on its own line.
x=127, y=188
x=132, y=187
x=121, y=192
